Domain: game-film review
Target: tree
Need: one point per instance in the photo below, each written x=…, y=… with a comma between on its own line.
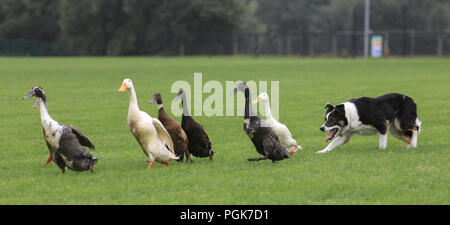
x=27, y=19
x=88, y=25
x=289, y=16
x=163, y=27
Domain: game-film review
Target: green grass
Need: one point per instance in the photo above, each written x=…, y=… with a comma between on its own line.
x=83, y=92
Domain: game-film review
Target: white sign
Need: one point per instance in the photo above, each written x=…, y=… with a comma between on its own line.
x=377, y=46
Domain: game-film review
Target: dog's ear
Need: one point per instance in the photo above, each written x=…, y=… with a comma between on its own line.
x=340, y=109
x=329, y=107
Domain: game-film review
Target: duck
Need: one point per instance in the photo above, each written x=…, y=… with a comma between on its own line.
x=177, y=134
x=65, y=143
x=259, y=132
x=280, y=130
x=199, y=144
x=149, y=132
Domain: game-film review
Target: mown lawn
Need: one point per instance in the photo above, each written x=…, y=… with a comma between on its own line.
x=83, y=92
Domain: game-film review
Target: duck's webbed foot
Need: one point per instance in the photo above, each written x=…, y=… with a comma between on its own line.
x=188, y=157
x=150, y=165
x=49, y=160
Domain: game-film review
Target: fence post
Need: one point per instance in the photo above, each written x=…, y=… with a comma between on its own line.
x=8, y=47
x=366, y=28
x=256, y=46
x=439, y=44
x=311, y=45
x=280, y=45
x=236, y=45
x=386, y=50
x=412, y=43
x=334, y=45
x=181, y=49
x=165, y=44
x=353, y=43
x=288, y=45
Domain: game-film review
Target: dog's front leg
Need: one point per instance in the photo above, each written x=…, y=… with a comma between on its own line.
x=383, y=133
x=383, y=141
x=413, y=143
x=340, y=140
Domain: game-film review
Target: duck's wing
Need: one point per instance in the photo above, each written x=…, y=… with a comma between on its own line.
x=50, y=148
x=281, y=130
x=137, y=135
x=82, y=138
x=53, y=153
x=163, y=135
x=273, y=135
x=182, y=135
x=200, y=134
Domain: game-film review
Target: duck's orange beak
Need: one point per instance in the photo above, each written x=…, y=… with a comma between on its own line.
x=256, y=100
x=123, y=88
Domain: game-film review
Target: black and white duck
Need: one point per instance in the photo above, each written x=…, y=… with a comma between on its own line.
x=259, y=132
x=65, y=143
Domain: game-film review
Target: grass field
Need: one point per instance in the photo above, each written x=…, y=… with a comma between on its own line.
x=83, y=92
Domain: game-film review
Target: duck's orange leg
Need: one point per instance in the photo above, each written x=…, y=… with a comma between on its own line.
x=166, y=164
x=49, y=160
x=293, y=151
x=150, y=165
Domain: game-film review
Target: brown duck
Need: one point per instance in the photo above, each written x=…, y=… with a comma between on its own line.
x=179, y=138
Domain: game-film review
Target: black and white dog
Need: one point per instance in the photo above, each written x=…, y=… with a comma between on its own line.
x=392, y=112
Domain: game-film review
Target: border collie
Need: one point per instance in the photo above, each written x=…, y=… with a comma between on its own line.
x=392, y=112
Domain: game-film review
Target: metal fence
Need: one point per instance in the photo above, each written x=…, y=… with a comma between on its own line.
x=23, y=47
x=337, y=44
x=344, y=43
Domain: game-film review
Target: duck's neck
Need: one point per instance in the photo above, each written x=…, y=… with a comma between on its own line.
x=161, y=108
x=185, y=110
x=133, y=101
x=248, y=107
x=268, y=111
x=43, y=110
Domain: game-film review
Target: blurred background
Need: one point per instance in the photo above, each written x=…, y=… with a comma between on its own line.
x=321, y=28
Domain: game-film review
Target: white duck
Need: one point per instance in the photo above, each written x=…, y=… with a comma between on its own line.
x=280, y=130
x=151, y=135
